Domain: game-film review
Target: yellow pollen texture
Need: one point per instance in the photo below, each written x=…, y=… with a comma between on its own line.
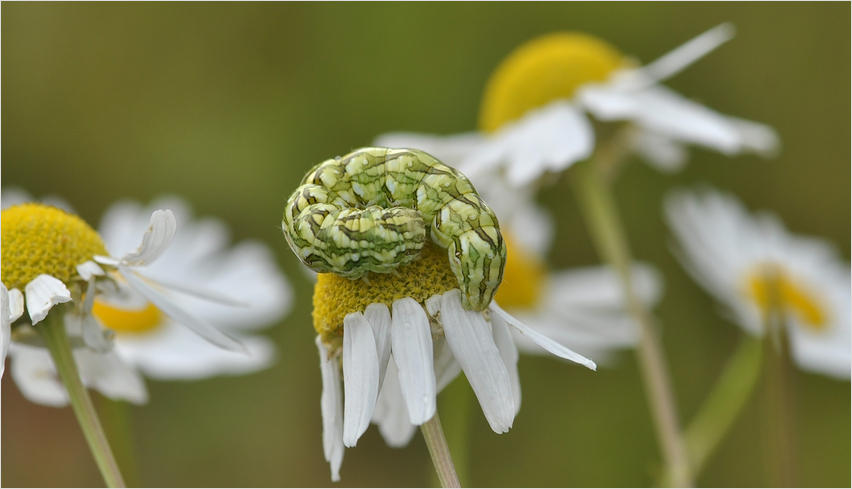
x=523, y=277
x=336, y=296
x=41, y=239
x=775, y=290
x=127, y=320
x=545, y=69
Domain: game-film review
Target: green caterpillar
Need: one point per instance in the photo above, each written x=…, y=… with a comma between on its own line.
x=368, y=212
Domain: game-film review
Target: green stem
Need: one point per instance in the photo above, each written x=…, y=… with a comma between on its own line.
x=724, y=402
x=53, y=332
x=601, y=215
x=457, y=399
x=437, y=444
x=779, y=438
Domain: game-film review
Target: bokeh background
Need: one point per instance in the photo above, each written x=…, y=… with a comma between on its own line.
x=229, y=104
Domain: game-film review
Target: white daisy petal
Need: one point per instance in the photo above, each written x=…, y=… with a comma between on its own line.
x=5, y=327
x=42, y=293
x=169, y=308
x=94, y=336
x=90, y=269
x=111, y=376
x=331, y=403
x=509, y=354
x=446, y=366
x=391, y=414
x=173, y=352
x=684, y=55
x=380, y=319
x=451, y=150
x=411, y=339
x=663, y=153
x=360, y=376
x=470, y=339
x=16, y=305
x=757, y=137
x=33, y=372
x=543, y=341
x=157, y=238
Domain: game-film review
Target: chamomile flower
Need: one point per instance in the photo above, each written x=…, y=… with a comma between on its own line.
x=389, y=345
x=146, y=314
x=535, y=111
x=762, y=275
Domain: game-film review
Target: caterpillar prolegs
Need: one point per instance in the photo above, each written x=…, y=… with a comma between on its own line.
x=373, y=209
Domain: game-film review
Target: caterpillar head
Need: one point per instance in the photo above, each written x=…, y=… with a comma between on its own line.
x=477, y=258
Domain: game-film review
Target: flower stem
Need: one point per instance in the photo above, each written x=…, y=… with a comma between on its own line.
x=779, y=431
x=726, y=400
x=437, y=444
x=53, y=332
x=601, y=215
x=116, y=420
x=457, y=400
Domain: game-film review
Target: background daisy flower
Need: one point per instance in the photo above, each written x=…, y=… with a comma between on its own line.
x=533, y=114
x=146, y=340
x=757, y=269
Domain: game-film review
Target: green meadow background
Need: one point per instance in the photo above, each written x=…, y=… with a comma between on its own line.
x=229, y=104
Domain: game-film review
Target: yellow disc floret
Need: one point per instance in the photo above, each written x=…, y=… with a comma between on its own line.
x=336, y=296
x=773, y=290
x=123, y=320
x=545, y=69
x=39, y=239
x=523, y=277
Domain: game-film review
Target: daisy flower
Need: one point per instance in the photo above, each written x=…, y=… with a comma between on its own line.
x=534, y=116
x=389, y=345
x=763, y=275
x=142, y=312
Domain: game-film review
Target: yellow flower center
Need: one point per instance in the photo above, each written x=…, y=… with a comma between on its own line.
x=41, y=239
x=127, y=320
x=774, y=291
x=545, y=69
x=523, y=277
x=336, y=296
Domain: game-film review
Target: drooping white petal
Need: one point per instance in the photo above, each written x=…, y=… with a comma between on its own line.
x=111, y=376
x=470, y=339
x=33, y=371
x=663, y=153
x=543, y=341
x=42, y=293
x=360, y=376
x=391, y=414
x=16, y=305
x=157, y=238
x=509, y=354
x=5, y=327
x=411, y=339
x=331, y=403
x=94, y=336
x=757, y=137
x=684, y=55
x=446, y=366
x=380, y=319
x=203, y=293
x=200, y=327
x=90, y=269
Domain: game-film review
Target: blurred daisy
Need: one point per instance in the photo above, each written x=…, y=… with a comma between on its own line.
x=188, y=285
x=533, y=115
x=387, y=347
x=764, y=275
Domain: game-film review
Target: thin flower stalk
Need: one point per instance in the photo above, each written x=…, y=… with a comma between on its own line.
x=440, y=452
x=55, y=337
x=601, y=215
x=778, y=422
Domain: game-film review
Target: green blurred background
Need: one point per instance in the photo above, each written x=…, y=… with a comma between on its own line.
x=229, y=104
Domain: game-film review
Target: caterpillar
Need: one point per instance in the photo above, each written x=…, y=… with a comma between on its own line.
x=373, y=209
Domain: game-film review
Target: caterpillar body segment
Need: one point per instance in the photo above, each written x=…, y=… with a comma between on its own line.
x=371, y=211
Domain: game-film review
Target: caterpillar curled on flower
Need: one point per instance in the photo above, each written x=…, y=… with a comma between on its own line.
x=373, y=209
